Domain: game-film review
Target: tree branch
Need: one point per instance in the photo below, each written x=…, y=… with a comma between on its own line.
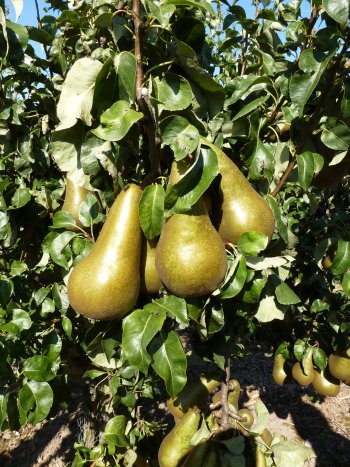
x=40, y=26
x=148, y=122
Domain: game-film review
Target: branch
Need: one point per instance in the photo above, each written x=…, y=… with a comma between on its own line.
x=148, y=122
x=40, y=26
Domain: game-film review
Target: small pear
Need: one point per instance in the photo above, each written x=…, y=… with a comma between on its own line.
x=339, y=365
x=150, y=281
x=242, y=208
x=190, y=258
x=280, y=371
x=176, y=445
x=106, y=283
x=73, y=198
x=304, y=374
x=193, y=395
x=325, y=384
x=247, y=420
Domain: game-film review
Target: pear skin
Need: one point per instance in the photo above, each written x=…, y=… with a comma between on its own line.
x=150, y=281
x=176, y=445
x=73, y=198
x=304, y=374
x=242, y=208
x=106, y=283
x=280, y=371
x=339, y=366
x=325, y=384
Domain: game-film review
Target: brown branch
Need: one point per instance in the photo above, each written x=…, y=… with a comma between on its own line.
x=312, y=22
x=143, y=101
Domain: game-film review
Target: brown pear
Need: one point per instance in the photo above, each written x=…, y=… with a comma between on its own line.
x=106, y=283
x=242, y=209
x=150, y=281
x=73, y=198
x=190, y=258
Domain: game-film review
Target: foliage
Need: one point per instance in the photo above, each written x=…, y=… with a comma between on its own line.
x=273, y=92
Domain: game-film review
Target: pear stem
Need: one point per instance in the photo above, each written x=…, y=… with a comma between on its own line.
x=148, y=122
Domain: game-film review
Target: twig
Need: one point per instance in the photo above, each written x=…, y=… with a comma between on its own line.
x=40, y=26
x=142, y=99
x=312, y=21
x=244, y=54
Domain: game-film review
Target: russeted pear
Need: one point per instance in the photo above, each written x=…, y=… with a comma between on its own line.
x=73, y=198
x=176, y=445
x=304, y=374
x=190, y=257
x=150, y=281
x=106, y=283
x=242, y=209
x=192, y=396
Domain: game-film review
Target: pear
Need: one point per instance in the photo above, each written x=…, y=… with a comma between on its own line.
x=247, y=420
x=304, y=374
x=150, y=281
x=242, y=208
x=106, y=283
x=192, y=396
x=73, y=198
x=280, y=371
x=232, y=396
x=196, y=457
x=339, y=365
x=260, y=459
x=177, y=443
x=190, y=257
x=325, y=384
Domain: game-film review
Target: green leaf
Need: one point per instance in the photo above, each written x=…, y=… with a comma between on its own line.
x=341, y=262
x=20, y=198
x=289, y=453
x=117, y=121
x=173, y=91
x=66, y=147
x=6, y=291
x=313, y=63
x=262, y=417
x=38, y=368
x=63, y=220
x=67, y=325
x=162, y=13
x=18, y=6
x=336, y=135
x=58, y=245
x=306, y=169
x=252, y=294
x=338, y=10
x=184, y=194
x=169, y=361
x=285, y=295
x=115, y=431
x=346, y=283
x=178, y=133
x=77, y=93
x=139, y=328
x=248, y=108
x=4, y=30
x=320, y=358
x=235, y=279
x=125, y=67
x=252, y=243
x=151, y=210
x=21, y=319
x=35, y=399
x=18, y=268
x=262, y=159
x=269, y=310
x=174, y=307
x=89, y=210
x=202, y=4
x=299, y=349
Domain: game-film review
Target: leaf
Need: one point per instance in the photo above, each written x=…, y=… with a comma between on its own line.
x=178, y=133
x=306, y=169
x=313, y=63
x=4, y=30
x=151, y=210
x=262, y=159
x=320, y=358
x=260, y=263
x=38, y=368
x=162, y=13
x=6, y=291
x=125, y=67
x=117, y=121
x=173, y=91
x=232, y=288
x=299, y=349
x=338, y=10
x=269, y=310
x=280, y=221
x=139, y=328
x=252, y=243
x=169, y=361
x=346, y=283
x=18, y=268
x=184, y=194
x=289, y=453
x=175, y=308
x=248, y=108
x=115, y=431
x=66, y=146
x=21, y=319
x=335, y=135
x=89, y=210
x=35, y=399
x=67, y=326
x=63, y=220
x=77, y=93
x=57, y=245
x=20, y=198
x=341, y=262
x=285, y=295
x=202, y=4
x=262, y=417
x=18, y=6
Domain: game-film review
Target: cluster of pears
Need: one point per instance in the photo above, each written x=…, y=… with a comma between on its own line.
x=188, y=408
x=325, y=383
x=189, y=258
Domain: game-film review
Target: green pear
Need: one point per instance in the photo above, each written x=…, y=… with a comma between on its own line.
x=106, y=283
x=193, y=395
x=241, y=208
x=73, y=198
x=325, y=384
x=177, y=443
x=150, y=281
x=190, y=257
x=339, y=365
x=304, y=374
x=280, y=371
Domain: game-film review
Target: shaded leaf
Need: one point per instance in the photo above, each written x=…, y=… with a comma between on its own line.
x=38, y=368
x=178, y=133
x=115, y=431
x=151, y=209
x=58, y=245
x=125, y=67
x=285, y=295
